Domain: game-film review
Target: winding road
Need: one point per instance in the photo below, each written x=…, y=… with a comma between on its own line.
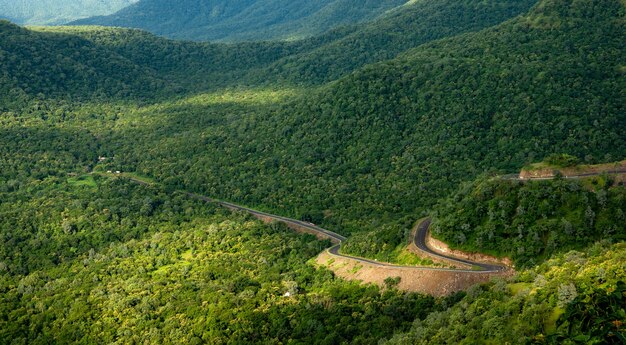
x=419, y=240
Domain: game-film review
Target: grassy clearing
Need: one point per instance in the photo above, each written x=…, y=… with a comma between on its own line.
x=131, y=175
x=403, y=256
x=83, y=181
x=517, y=288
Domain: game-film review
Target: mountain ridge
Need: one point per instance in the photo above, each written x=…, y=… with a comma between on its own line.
x=51, y=12
x=243, y=20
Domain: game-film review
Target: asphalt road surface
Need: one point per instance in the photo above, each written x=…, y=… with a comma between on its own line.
x=420, y=240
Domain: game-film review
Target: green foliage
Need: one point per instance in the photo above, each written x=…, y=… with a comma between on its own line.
x=530, y=221
x=243, y=20
x=561, y=160
x=52, y=12
x=369, y=152
x=596, y=317
x=493, y=314
x=130, y=263
x=409, y=26
x=43, y=65
x=392, y=282
x=307, y=130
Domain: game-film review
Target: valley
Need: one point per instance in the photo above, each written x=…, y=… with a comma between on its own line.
x=387, y=172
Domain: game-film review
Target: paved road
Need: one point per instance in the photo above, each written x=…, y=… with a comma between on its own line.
x=335, y=237
x=420, y=240
x=420, y=234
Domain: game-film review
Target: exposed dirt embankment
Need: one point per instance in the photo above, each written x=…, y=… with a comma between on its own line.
x=443, y=248
x=580, y=170
x=415, y=279
x=538, y=173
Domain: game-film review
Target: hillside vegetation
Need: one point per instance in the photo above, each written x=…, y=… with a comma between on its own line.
x=54, y=12
x=362, y=141
x=112, y=261
x=243, y=20
x=374, y=149
x=52, y=65
x=531, y=221
x=574, y=298
x=384, y=142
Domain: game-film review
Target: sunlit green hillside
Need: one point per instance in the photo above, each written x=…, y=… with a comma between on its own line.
x=574, y=298
x=362, y=130
x=529, y=221
x=114, y=261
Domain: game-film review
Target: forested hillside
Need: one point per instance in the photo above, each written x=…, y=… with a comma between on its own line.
x=529, y=221
x=89, y=259
x=243, y=20
x=377, y=147
x=54, y=12
x=312, y=61
x=363, y=130
x=386, y=141
x=412, y=25
x=52, y=65
x=574, y=298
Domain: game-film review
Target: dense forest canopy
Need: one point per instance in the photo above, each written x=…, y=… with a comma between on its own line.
x=243, y=20
x=363, y=130
x=369, y=151
x=93, y=260
x=530, y=221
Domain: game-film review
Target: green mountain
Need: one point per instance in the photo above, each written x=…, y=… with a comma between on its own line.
x=407, y=27
x=363, y=141
x=59, y=65
x=312, y=61
x=53, y=12
x=574, y=298
x=386, y=141
x=378, y=146
x=243, y=20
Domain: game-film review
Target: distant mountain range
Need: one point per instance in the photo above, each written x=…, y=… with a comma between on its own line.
x=243, y=20
x=53, y=12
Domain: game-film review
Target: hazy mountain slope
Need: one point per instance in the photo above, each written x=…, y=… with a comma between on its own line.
x=311, y=61
x=191, y=65
x=409, y=26
x=54, y=12
x=243, y=19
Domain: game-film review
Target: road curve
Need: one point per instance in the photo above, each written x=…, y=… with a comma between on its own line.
x=419, y=239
